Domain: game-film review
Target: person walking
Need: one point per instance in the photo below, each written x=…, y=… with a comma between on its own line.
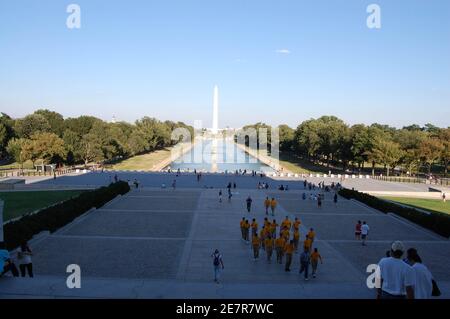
x=280, y=243
x=311, y=235
x=395, y=279
x=296, y=238
x=423, y=286
x=358, y=230
x=305, y=260
x=335, y=198
x=174, y=184
x=249, y=203
x=247, y=231
x=218, y=265
x=288, y=251
x=268, y=243
x=220, y=196
x=273, y=206
x=315, y=258
x=364, y=232
x=307, y=244
x=256, y=245
x=24, y=257
x=444, y=197
x=319, y=201
x=267, y=205
x=229, y=195
x=254, y=226
x=273, y=229
x=242, y=225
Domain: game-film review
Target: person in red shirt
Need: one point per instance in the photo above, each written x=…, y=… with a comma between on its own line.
x=358, y=230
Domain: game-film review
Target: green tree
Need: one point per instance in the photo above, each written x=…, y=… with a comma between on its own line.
x=444, y=136
x=286, y=136
x=15, y=148
x=46, y=147
x=90, y=148
x=430, y=151
x=55, y=120
x=30, y=125
x=385, y=152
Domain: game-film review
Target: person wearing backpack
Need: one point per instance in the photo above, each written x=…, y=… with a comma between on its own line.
x=217, y=263
x=305, y=259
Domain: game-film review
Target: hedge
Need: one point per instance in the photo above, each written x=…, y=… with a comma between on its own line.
x=435, y=221
x=59, y=215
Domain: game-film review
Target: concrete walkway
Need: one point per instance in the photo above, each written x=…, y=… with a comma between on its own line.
x=156, y=243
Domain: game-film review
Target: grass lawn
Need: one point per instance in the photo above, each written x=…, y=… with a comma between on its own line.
x=143, y=162
x=434, y=205
x=26, y=165
x=20, y=203
x=299, y=166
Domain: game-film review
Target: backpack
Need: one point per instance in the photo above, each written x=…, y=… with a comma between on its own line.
x=216, y=260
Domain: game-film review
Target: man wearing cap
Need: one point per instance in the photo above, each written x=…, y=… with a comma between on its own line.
x=396, y=278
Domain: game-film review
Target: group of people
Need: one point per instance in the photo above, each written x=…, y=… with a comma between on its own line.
x=23, y=257
x=274, y=238
x=406, y=278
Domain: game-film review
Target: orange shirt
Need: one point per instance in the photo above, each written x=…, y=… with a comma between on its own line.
x=307, y=244
x=311, y=235
x=273, y=203
x=297, y=224
x=280, y=242
x=316, y=256
x=267, y=203
x=255, y=225
x=296, y=235
x=246, y=226
x=285, y=233
x=273, y=227
x=255, y=241
x=268, y=243
x=289, y=249
x=242, y=223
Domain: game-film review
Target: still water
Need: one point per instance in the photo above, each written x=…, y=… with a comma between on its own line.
x=218, y=155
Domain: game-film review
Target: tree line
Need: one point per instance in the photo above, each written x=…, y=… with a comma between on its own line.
x=329, y=141
x=47, y=137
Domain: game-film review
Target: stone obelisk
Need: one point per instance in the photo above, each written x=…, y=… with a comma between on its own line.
x=215, y=123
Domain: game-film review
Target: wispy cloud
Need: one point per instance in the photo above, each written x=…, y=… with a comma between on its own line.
x=283, y=51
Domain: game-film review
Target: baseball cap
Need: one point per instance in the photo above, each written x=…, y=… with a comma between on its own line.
x=398, y=245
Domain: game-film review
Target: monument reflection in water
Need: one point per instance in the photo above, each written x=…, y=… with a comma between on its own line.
x=218, y=155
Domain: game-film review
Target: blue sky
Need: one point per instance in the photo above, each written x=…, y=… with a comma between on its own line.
x=162, y=59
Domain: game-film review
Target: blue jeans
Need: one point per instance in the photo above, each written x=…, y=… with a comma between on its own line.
x=304, y=268
x=216, y=272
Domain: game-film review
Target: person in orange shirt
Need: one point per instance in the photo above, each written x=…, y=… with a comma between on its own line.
x=268, y=242
x=254, y=226
x=267, y=205
x=307, y=244
x=256, y=246
x=273, y=229
x=262, y=236
x=266, y=223
x=297, y=224
x=246, y=231
x=280, y=243
x=289, y=250
x=242, y=223
x=315, y=257
x=286, y=223
x=311, y=235
x=285, y=233
x=273, y=205
x=296, y=239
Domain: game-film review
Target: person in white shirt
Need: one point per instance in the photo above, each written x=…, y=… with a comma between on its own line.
x=423, y=286
x=364, y=233
x=396, y=278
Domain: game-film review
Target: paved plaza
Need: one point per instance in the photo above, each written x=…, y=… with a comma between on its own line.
x=156, y=243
